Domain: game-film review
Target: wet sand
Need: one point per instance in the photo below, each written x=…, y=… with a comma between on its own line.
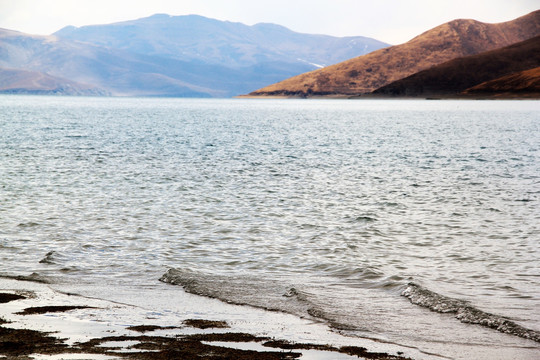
x=38, y=322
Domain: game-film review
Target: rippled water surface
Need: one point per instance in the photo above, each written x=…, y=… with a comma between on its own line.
x=329, y=209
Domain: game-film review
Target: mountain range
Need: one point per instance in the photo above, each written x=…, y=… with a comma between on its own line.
x=194, y=56
x=164, y=55
x=455, y=39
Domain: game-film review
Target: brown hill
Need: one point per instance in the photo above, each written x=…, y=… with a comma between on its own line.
x=524, y=84
x=17, y=81
x=366, y=73
x=455, y=76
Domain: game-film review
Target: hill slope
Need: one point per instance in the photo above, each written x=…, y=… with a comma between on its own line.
x=524, y=84
x=33, y=82
x=366, y=73
x=114, y=71
x=455, y=76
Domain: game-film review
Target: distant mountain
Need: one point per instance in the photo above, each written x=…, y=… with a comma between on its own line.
x=455, y=76
x=15, y=81
x=369, y=72
x=182, y=56
x=521, y=84
x=203, y=40
x=113, y=71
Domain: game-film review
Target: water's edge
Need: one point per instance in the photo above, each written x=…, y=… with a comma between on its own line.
x=277, y=295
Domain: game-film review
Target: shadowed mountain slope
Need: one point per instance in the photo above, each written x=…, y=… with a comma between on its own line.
x=366, y=73
x=455, y=76
x=524, y=84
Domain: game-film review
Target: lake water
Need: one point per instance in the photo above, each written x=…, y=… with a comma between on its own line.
x=412, y=222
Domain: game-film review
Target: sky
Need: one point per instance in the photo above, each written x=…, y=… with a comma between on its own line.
x=391, y=21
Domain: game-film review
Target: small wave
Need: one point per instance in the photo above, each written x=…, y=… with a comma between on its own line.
x=466, y=313
x=361, y=219
x=365, y=219
x=33, y=277
x=28, y=224
x=241, y=290
x=48, y=259
x=268, y=294
x=293, y=292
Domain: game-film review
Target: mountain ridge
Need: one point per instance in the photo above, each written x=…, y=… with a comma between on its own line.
x=212, y=41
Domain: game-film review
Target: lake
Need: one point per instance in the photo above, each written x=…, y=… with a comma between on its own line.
x=408, y=221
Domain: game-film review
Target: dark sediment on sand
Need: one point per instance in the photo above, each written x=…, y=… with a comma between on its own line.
x=51, y=309
x=21, y=343
x=6, y=297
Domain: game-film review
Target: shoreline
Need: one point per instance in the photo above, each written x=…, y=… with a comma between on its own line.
x=50, y=321
x=369, y=96
x=39, y=322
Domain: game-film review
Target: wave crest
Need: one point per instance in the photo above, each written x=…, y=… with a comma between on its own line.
x=465, y=312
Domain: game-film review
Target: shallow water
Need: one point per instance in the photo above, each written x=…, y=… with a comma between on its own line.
x=323, y=209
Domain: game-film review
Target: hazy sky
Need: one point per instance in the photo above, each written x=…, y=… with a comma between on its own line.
x=392, y=21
